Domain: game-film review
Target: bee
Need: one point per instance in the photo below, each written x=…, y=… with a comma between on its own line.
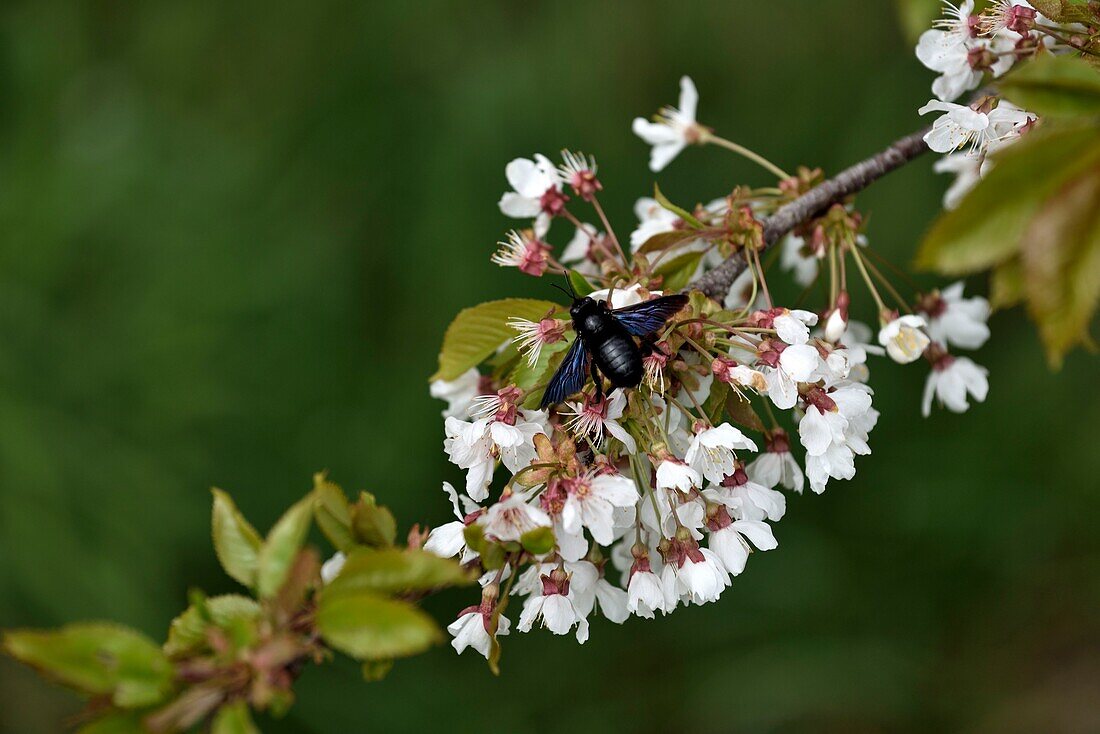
x=606, y=343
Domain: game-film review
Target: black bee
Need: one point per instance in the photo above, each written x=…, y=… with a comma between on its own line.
x=606, y=344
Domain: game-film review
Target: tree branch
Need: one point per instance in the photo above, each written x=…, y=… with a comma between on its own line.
x=716, y=283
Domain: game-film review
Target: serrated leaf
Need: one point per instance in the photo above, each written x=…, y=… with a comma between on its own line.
x=987, y=226
x=677, y=271
x=1061, y=264
x=741, y=412
x=98, y=659
x=281, y=546
x=539, y=541
x=236, y=542
x=477, y=332
x=393, y=570
x=684, y=214
x=332, y=511
x=1055, y=86
x=580, y=284
x=187, y=633
x=372, y=523
x=371, y=627
x=1006, y=284
x=234, y=718
x=665, y=240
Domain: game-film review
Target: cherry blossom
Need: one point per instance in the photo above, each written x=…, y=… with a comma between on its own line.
x=674, y=128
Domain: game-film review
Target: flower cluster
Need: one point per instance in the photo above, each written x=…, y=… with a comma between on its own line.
x=966, y=49
x=629, y=501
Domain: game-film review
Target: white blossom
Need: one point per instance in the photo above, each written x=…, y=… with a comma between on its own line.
x=674, y=129
x=731, y=543
x=793, y=326
x=797, y=363
x=530, y=180
x=792, y=257
x=591, y=503
x=512, y=516
x=834, y=430
x=645, y=594
x=963, y=127
x=697, y=577
x=951, y=380
x=773, y=468
x=904, y=338
x=471, y=629
x=967, y=170
x=448, y=540
x=591, y=418
x=675, y=474
x=711, y=451
x=956, y=320
x=459, y=393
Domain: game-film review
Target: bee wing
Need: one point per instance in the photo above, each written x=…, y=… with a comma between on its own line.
x=643, y=319
x=570, y=375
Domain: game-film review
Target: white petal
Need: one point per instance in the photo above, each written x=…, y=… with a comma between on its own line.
x=689, y=97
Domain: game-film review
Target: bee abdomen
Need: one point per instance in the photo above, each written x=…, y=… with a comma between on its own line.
x=620, y=359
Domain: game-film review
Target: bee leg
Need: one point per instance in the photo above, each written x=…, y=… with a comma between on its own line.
x=647, y=345
x=597, y=380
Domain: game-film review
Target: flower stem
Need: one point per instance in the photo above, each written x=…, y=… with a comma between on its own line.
x=746, y=153
x=610, y=231
x=867, y=279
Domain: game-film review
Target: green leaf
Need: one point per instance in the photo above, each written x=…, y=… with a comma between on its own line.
x=741, y=412
x=332, y=511
x=715, y=403
x=580, y=284
x=119, y=722
x=376, y=670
x=98, y=659
x=1069, y=11
x=236, y=542
x=281, y=546
x=986, y=228
x=373, y=524
x=187, y=633
x=684, y=214
x=234, y=718
x=916, y=16
x=370, y=627
x=1061, y=264
x=677, y=271
x=526, y=377
x=1006, y=284
x=1055, y=86
x=539, y=541
x=477, y=332
x=474, y=535
x=665, y=240
x=392, y=570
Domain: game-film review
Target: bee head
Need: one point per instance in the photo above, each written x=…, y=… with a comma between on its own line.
x=581, y=306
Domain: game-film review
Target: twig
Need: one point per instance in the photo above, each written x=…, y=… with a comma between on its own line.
x=716, y=283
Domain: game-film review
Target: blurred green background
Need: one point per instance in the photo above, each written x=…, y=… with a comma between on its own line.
x=231, y=235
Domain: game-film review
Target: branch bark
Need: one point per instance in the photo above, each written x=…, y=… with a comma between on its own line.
x=716, y=283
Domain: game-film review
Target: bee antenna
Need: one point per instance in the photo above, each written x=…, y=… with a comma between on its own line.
x=569, y=283
x=571, y=295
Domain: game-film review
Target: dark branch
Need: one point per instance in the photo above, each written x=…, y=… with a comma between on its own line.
x=716, y=283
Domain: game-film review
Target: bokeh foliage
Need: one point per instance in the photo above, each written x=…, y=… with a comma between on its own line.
x=232, y=236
